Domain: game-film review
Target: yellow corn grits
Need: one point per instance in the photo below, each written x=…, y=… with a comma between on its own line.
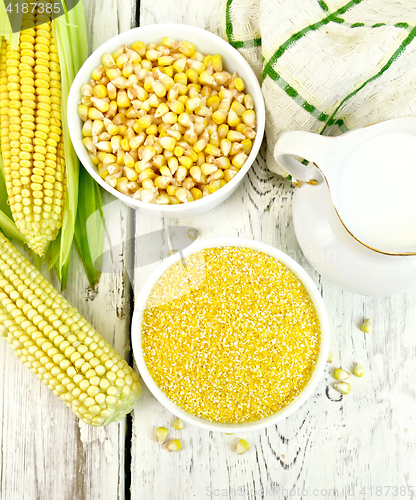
x=232, y=337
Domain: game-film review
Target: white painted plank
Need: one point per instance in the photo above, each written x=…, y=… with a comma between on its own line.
x=366, y=439
x=45, y=451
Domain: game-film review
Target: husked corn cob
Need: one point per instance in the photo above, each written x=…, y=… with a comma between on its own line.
x=31, y=139
x=180, y=103
x=64, y=352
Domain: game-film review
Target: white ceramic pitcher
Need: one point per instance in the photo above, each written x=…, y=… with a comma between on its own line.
x=357, y=226
x=371, y=177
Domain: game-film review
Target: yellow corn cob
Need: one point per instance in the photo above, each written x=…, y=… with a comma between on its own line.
x=52, y=339
x=30, y=115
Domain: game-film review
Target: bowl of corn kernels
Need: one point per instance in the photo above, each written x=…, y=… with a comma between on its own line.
x=168, y=118
x=231, y=335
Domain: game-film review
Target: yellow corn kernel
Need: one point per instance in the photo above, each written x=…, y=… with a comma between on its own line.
x=152, y=130
x=217, y=63
x=236, y=147
x=131, y=174
x=171, y=190
x=161, y=110
x=183, y=89
x=190, y=153
x=177, y=107
x=161, y=434
x=222, y=162
x=108, y=61
x=248, y=101
x=181, y=174
x=195, y=172
x=165, y=60
x=192, y=75
x=184, y=196
x=170, y=118
x=223, y=131
x=166, y=81
x=178, y=424
x=167, y=143
x=128, y=160
x=213, y=102
x=222, y=77
x=206, y=79
x=220, y=116
x=229, y=174
x=148, y=173
x=193, y=104
x=173, y=164
x=139, y=47
x=185, y=161
x=239, y=84
x=178, y=151
x=242, y=447
x=87, y=129
x=247, y=146
x=249, y=118
x=83, y=112
x=181, y=78
x=212, y=150
x=186, y=48
x=239, y=159
x=208, y=168
x=207, y=60
x=200, y=145
x=233, y=119
x=113, y=73
x=145, y=121
x=235, y=136
x=196, y=193
x=213, y=186
x=238, y=108
x=97, y=73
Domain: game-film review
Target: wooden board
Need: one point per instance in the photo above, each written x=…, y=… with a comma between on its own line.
x=364, y=440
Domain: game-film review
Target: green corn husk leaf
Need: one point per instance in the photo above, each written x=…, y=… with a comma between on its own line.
x=71, y=39
x=87, y=205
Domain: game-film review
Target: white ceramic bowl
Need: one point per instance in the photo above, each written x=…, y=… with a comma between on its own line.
x=204, y=42
x=201, y=422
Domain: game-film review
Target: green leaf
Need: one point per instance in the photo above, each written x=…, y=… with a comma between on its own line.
x=89, y=202
x=4, y=206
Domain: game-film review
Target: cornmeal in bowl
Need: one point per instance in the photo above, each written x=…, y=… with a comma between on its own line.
x=230, y=335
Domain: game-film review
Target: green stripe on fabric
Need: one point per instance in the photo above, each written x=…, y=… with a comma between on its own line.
x=229, y=30
x=293, y=93
x=228, y=23
x=396, y=54
x=323, y=5
x=312, y=27
x=248, y=44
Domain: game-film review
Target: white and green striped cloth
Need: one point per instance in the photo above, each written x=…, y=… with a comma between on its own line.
x=325, y=66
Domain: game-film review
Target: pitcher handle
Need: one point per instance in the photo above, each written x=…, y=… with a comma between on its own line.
x=307, y=145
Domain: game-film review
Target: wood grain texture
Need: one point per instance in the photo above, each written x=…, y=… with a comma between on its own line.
x=366, y=439
x=45, y=451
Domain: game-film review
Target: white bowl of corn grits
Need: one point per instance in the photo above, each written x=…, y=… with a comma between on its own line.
x=237, y=339
x=206, y=43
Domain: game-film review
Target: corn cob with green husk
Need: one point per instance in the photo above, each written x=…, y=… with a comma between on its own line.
x=30, y=115
x=39, y=170
x=53, y=340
